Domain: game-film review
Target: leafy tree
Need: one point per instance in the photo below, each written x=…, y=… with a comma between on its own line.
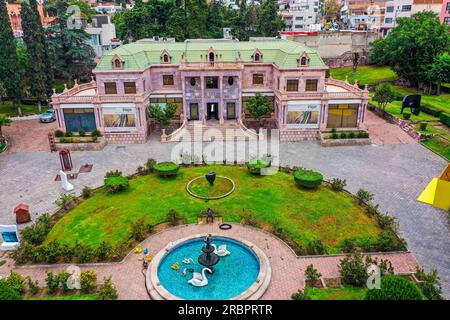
x=214, y=21
x=240, y=25
x=311, y=274
x=269, y=21
x=353, y=270
x=163, y=115
x=39, y=73
x=197, y=11
x=4, y=121
x=2, y=92
x=258, y=106
x=86, y=11
x=412, y=46
x=10, y=72
x=383, y=95
x=8, y=293
x=72, y=57
x=439, y=71
x=332, y=9
x=395, y=288
x=65, y=200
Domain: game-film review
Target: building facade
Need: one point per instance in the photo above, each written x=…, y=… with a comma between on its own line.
x=445, y=12
x=16, y=19
x=210, y=81
x=427, y=5
x=300, y=15
x=393, y=10
x=365, y=14
x=102, y=34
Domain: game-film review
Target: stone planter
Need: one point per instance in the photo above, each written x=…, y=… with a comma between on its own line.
x=343, y=142
x=83, y=146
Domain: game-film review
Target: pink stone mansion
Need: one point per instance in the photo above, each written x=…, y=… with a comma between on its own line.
x=210, y=81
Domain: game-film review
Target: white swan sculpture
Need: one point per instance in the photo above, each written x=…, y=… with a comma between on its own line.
x=188, y=261
x=222, y=251
x=199, y=279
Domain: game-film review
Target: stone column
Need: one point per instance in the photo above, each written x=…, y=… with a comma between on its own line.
x=202, y=103
x=98, y=116
x=221, y=105
x=324, y=115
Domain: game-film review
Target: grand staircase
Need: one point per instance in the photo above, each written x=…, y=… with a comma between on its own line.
x=196, y=131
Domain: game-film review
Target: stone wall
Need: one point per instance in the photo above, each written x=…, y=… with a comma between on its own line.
x=125, y=138
x=83, y=146
x=299, y=135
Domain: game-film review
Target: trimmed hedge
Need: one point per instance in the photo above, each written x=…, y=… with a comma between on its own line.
x=255, y=166
x=166, y=168
x=395, y=288
x=116, y=184
x=444, y=117
x=308, y=179
x=435, y=112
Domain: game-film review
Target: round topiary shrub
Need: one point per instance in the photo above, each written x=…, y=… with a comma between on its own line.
x=8, y=293
x=116, y=184
x=255, y=166
x=308, y=179
x=395, y=288
x=166, y=168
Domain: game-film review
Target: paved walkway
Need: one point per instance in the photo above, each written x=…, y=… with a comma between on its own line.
x=287, y=269
x=383, y=132
x=29, y=135
x=395, y=173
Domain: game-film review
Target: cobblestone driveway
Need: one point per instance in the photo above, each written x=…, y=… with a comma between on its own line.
x=395, y=173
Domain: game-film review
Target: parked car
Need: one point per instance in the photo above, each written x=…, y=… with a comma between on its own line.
x=48, y=116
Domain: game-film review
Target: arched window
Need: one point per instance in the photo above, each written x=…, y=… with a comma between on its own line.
x=257, y=57
x=165, y=58
x=117, y=64
x=211, y=56
x=230, y=81
x=304, y=61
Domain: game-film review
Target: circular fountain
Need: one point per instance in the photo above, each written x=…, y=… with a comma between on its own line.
x=242, y=274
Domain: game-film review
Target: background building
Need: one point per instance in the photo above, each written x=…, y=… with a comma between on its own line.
x=16, y=19
x=428, y=5
x=445, y=12
x=300, y=15
x=365, y=14
x=103, y=34
x=393, y=10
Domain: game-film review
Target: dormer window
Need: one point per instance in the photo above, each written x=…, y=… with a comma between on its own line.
x=303, y=61
x=117, y=62
x=211, y=57
x=257, y=56
x=165, y=57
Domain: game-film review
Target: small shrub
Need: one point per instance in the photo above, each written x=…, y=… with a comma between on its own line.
x=59, y=134
x=96, y=133
x=348, y=245
x=372, y=209
x=300, y=295
x=63, y=277
x=255, y=166
x=173, y=217
x=430, y=285
x=88, y=281
x=395, y=288
x=69, y=134
x=311, y=274
x=353, y=270
x=406, y=116
x=86, y=192
x=362, y=135
x=33, y=286
x=52, y=282
x=103, y=251
x=444, y=117
x=250, y=220
x=139, y=230
x=140, y=170
x=423, y=126
x=82, y=132
x=116, y=184
x=338, y=184
x=308, y=179
x=150, y=164
x=387, y=222
x=315, y=247
x=333, y=130
x=388, y=241
x=7, y=293
x=166, y=168
x=334, y=135
x=107, y=290
x=115, y=173
x=65, y=201
x=343, y=135
x=363, y=196
x=36, y=233
x=430, y=110
x=16, y=282
x=94, y=138
x=83, y=253
x=351, y=135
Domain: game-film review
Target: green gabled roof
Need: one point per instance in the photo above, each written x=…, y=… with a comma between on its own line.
x=143, y=53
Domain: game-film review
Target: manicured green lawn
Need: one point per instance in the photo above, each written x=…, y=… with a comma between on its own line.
x=6, y=108
x=365, y=74
x=305, y=215
x=438, y=101
x=435, y=127
x=92, y=296
x=395, y=108
x=348, y=293
x=439, y=145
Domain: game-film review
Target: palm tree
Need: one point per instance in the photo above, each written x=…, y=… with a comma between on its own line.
x=4, y=121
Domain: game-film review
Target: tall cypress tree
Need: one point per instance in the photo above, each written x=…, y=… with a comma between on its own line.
x=39, y=72
x=10, y=74
x=269, y=21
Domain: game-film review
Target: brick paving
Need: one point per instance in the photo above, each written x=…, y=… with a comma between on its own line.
x=287, y=269
x=382, y=132
x=29, y=135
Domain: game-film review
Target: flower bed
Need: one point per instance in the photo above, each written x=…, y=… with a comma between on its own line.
x=336, y=138
x=81, y=143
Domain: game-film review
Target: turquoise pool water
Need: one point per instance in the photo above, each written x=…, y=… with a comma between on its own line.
x=233, y=274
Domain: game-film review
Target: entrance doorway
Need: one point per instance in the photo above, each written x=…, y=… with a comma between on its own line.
x=231, y=110
x=193, y=112
x=212, y=111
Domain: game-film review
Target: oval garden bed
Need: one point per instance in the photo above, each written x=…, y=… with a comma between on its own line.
x=200, y=188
